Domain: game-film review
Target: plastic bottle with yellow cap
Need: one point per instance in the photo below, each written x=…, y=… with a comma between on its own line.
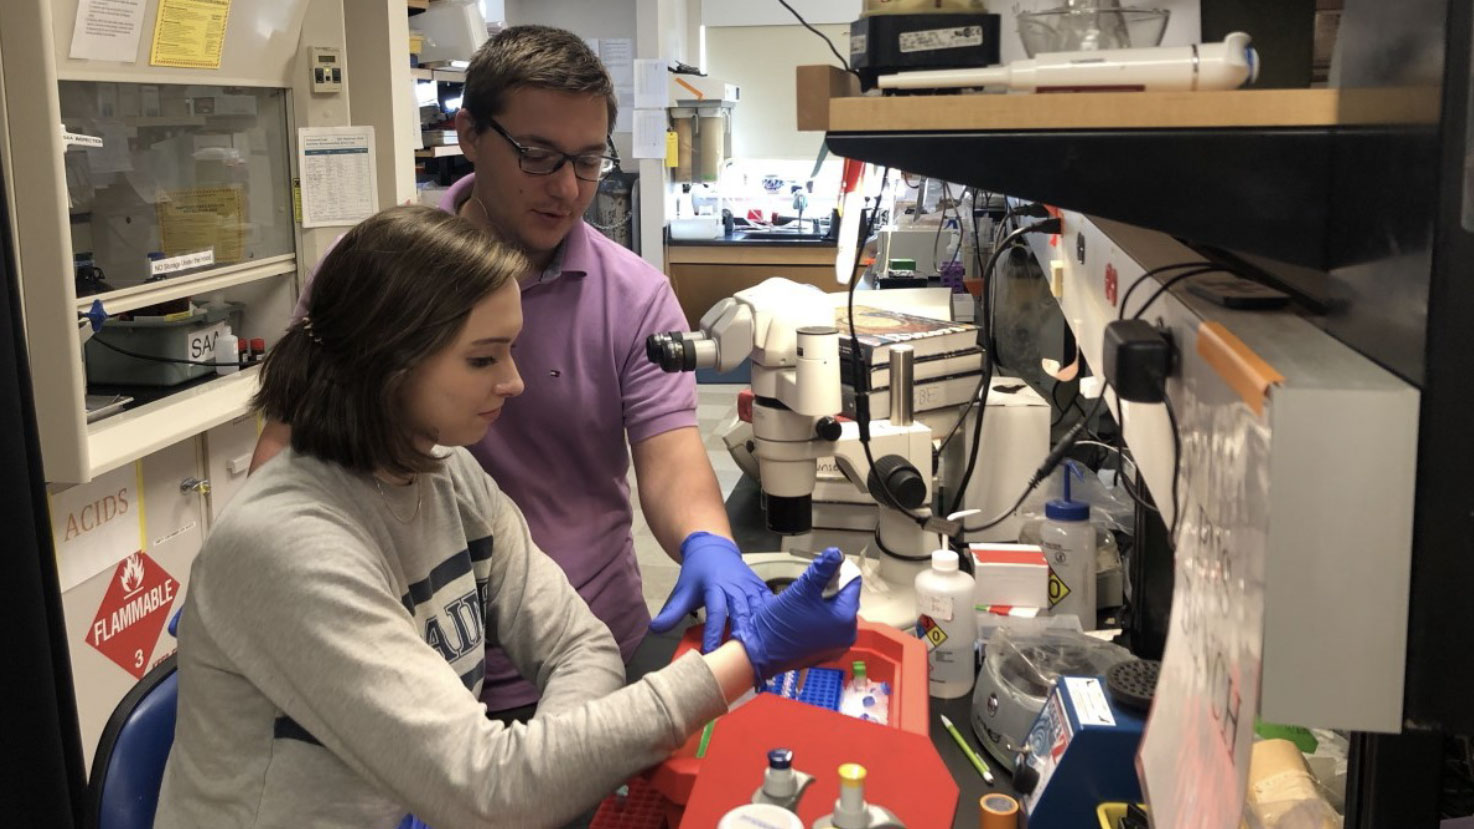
x=850, y=809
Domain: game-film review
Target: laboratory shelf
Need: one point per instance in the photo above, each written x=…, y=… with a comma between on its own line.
x=217, y=279
x=1249, y=170
x=126, y=437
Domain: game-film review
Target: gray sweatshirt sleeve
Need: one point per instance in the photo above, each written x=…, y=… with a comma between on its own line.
x=348, y=666
x=565, y=650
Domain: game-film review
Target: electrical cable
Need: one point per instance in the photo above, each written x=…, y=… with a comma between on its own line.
x=972, y=401
x=942, y=219
x=843, y=63
x=149, y=357
x=1176, y=470
x=858, y=368
x=1165, y=286
x=1051, y=460
x=1125, y=454
x=1126, y=297
x=984, y=314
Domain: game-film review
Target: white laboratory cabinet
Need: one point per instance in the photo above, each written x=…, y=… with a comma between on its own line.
x=154, y=188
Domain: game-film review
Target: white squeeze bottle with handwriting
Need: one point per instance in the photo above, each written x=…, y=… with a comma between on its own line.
x=946, y=620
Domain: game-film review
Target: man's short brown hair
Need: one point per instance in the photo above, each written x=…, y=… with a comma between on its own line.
x=540, y=57
x=395, y=290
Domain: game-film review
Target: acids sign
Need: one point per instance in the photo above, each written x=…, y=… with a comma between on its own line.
x=95, y=525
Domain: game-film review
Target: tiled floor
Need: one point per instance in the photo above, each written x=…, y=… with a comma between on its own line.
x=715, y=405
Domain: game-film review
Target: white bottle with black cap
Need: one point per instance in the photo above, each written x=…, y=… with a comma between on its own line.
x=1068, y=540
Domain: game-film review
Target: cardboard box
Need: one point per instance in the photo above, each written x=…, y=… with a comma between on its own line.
x=1012, y=575
x=815, y=86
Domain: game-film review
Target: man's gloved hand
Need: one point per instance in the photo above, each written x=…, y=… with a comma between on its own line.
x=799, y=626
x=714, y=574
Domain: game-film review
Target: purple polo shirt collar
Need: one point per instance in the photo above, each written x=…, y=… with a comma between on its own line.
x=573, y=256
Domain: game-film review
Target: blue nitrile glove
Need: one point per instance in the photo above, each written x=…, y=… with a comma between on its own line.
x=714, y=574
x=799, y=626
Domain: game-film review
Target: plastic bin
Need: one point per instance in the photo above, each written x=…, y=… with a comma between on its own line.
x=890, y=655
x=186, y=336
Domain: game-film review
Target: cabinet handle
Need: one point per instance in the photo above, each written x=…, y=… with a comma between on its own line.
x=199, y=486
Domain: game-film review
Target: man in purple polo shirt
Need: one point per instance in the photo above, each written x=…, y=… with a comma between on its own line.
x=534, y=121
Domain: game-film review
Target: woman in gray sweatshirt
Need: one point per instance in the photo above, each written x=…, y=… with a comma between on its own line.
x=331, y=644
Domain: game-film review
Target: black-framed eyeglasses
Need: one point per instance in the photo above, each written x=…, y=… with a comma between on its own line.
x=542, y=161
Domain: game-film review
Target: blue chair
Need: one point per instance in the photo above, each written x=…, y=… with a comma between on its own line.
x=128, y=768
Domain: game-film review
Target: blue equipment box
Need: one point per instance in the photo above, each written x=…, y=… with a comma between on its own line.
x=1083, y=747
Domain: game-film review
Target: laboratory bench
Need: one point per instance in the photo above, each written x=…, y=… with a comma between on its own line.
x=759, y=237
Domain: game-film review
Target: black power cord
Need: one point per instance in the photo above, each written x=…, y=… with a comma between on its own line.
x=1176, y=471
x=1125, y=298
x=857, y=374
x=985, y=316
x=843, y=62
x=973, y=400
x=1051, y=460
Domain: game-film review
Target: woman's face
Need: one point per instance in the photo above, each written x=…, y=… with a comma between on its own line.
x=457, y=393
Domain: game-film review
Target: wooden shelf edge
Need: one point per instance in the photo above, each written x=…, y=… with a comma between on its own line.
x=438, y=152
x=1244, y=108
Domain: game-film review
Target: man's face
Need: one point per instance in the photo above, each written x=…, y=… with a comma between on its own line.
x=535, y=212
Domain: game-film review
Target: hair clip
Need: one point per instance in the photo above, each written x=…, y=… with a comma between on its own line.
x=307, y=329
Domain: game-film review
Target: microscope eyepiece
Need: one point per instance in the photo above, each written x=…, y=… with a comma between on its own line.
x=671, y=351
x=677, y=351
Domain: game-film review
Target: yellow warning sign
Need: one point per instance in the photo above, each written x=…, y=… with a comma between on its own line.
x=928, y=629
x=1058, y=590
x=189, y=33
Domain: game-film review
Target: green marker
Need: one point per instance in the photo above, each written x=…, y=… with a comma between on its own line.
x=705, y=739
x=977, y=762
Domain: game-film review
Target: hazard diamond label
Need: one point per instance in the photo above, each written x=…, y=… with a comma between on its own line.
x=928, y=629
x=133, y=612
x=1058, y=590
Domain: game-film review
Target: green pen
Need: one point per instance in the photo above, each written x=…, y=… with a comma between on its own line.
x=705, y=739
x=977, y=762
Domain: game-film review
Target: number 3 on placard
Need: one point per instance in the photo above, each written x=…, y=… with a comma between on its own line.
x=138, y=658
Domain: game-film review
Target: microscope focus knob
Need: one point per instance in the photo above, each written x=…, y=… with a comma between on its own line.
x=894, y=481
x=828, y=428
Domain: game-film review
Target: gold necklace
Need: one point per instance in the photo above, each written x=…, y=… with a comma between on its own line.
x=415, y=482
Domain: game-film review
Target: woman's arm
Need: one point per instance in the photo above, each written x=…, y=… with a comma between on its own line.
x=349, y=666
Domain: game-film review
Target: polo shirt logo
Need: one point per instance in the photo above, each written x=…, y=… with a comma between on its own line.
x=553, y=372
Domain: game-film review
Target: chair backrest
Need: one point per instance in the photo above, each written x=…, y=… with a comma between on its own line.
x=128, y=768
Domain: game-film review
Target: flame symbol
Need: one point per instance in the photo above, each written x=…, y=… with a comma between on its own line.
x=132, y=575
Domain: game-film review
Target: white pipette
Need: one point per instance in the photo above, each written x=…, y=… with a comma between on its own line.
x=1226, y=65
